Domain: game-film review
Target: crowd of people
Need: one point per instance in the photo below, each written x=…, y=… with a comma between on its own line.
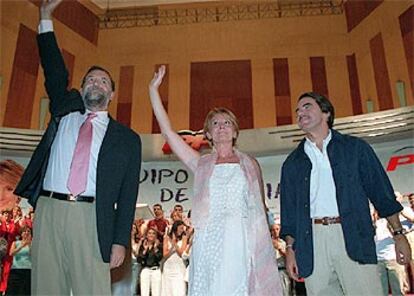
x=15, y=245
x=397, y=278
x=161, y=253
x=161, y=248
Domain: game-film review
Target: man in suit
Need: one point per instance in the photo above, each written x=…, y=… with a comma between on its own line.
x=82, y=178
x=327, y=183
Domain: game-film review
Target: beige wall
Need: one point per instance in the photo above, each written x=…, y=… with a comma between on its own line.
x=14, y=13
x=295, y=38
x=383, y=19
x=258, y=41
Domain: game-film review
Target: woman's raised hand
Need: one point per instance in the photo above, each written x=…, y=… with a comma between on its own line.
x=157, y=79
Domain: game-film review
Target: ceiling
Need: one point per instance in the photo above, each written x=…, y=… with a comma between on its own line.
x=117, y=4
x=111, y=4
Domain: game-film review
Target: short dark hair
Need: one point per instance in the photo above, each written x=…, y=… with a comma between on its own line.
x=96, y=67
x=157, y=205
x=323, y=103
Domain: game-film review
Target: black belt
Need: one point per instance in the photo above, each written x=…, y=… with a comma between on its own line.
x=327, y=220
x=68, y=197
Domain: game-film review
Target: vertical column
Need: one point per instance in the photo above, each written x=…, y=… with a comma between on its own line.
x=407, y=33
x=282, y=91
x=318, y=75
x=382, y=80
x=22, y=87
x=125, y=93
x=354, y=84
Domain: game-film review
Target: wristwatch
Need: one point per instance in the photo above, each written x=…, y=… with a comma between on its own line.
x=398, y=232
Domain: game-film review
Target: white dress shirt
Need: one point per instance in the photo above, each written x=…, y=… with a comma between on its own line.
x=322, y=186
x=62, y=149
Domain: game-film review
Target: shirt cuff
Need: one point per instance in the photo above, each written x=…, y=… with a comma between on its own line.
x=45, y=26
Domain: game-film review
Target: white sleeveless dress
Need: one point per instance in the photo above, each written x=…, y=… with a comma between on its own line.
x=219, y=262
x=173, y=283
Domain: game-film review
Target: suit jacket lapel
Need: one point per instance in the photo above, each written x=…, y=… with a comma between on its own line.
x=112, y=137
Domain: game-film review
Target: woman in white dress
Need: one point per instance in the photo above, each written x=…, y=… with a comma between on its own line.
x=232, y=252
x=173, y=272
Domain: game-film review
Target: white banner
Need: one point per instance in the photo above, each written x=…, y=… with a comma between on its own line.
x=170, y=183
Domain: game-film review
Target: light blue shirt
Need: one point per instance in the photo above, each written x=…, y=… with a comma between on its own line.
x=21, y=260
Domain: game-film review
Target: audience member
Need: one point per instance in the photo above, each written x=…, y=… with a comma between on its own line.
x=187, y=254
x=408, y=214
x=179, y=208
x=410, y=235
x=19, y=282
x=149, y=256
x=280, y=249
x=10, y=173
x=173, y=272
x=391, y=273
x=9, y=230
x=159, y=223
x=136, y=239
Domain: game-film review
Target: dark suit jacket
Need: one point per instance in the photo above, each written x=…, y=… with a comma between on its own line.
x=359, y=178
x=119, y=159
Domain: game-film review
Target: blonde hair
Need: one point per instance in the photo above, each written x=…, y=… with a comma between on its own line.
x=223, y=111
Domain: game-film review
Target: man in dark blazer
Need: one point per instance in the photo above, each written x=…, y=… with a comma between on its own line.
x=79, y=238
x=327, y=185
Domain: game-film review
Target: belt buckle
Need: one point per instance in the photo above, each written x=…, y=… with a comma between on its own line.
x=72, y=197
x=325, y=220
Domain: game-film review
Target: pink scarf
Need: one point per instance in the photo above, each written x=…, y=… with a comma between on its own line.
x=263, y=271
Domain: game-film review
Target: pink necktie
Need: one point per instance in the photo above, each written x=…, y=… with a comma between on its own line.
x=78, y=175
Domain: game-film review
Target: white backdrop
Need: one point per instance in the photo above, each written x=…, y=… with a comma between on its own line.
x=170, y=182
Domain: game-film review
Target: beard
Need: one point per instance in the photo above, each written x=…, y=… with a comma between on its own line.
x=95, y=99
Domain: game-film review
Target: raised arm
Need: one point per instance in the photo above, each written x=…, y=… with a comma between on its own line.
x=55, y=72
x=56, y=75
x=47, y=8
x=184, y=152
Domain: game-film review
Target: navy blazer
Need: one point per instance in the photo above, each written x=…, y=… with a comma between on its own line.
x=359, y=178
x=119, y=158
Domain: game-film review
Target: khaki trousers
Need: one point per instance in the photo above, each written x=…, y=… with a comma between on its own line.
x=334, y=273
x=65, y=251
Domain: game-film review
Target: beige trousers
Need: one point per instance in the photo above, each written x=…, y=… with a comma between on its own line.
x=65, y=252
x=334, y=273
